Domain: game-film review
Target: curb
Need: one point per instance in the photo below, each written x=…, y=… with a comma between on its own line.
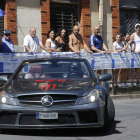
x=125, y=96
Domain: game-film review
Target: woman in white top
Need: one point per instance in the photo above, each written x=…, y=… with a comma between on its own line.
x=50, y=43
x=135, y=37
x=118, y=46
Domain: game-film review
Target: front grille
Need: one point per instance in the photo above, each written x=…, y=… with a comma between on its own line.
x=62, y=119
x=88, y=116
x=31, y=104
x=8, y=117
x=58, y=100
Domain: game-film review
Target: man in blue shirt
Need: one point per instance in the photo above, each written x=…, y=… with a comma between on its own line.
x=96, y=43
x=7, y=44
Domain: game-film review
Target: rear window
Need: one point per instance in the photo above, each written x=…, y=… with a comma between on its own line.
x=55, y=69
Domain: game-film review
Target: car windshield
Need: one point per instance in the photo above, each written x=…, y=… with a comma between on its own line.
x=52, y=69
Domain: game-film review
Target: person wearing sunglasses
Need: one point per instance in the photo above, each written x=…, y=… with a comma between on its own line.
x=7, y=44
x=135, y=37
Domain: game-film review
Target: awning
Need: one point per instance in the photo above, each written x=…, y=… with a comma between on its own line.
x=2, y=13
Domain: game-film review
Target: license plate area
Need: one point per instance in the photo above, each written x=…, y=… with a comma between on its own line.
x=52, y=115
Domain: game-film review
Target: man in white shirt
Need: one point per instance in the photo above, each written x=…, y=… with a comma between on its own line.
x=31, y=41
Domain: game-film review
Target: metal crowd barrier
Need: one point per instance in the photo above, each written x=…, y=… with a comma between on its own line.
x=98, y=61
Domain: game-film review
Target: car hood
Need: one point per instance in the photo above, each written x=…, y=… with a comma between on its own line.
x=52, y=86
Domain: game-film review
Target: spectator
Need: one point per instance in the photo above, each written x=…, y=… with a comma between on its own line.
x=31, y=42
x=7, y=44
x=135, y=37
x=118, y=46
x=129, y=49
x=60, y=40
x=76, y=41
x=124, y=72
x=96, y=43
x=50, y=43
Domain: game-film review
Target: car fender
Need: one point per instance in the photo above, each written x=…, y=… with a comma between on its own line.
x=106, y=84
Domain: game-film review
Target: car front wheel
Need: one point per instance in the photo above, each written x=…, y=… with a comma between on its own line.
x=109, y=115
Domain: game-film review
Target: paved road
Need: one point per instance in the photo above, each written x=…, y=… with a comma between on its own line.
x=126, y=127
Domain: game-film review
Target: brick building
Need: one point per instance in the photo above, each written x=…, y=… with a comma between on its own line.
x=45, y=14
x=125, y=14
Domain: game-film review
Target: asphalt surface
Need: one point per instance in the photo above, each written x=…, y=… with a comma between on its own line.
x=126, y=127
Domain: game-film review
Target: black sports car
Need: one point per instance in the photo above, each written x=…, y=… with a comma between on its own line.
x=56, y=93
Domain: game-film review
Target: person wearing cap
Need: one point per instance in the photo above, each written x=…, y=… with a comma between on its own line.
x=31, y=42
x=135, y=38
x=7, y=44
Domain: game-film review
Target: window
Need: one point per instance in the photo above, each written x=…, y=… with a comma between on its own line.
x=1, y=18
x=55, y=69
x=63, y=15
x=128, y=19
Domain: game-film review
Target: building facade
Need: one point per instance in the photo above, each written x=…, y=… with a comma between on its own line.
x=45, y=15
x=125, y=14
x=111, y=16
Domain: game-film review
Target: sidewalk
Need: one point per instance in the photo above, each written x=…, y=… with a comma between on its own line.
x=125, y=93
x=125, y=96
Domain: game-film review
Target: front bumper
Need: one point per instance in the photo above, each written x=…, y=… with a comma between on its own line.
x=77, y=116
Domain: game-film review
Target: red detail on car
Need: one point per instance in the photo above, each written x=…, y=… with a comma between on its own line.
x=54, y=87
x=48, y=86
x=42, y=87
x=61, y=80
x=39, y=81
x=50, y=80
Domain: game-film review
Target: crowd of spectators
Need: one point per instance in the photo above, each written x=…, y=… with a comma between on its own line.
x=127, y=44
x=59, y=43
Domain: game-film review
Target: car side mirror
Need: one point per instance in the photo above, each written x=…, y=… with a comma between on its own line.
x=104, y=77
x=3, y=79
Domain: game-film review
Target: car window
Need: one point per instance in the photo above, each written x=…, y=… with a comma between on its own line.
x=55, y=69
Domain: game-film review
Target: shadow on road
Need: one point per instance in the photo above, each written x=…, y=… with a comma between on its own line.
x=84, y=132
x=113, y=129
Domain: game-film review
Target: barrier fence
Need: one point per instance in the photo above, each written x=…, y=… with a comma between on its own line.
x=10, y=61
x=99, y=61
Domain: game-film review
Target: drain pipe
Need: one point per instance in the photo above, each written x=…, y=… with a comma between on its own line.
x=101, y=21
x=101, y=17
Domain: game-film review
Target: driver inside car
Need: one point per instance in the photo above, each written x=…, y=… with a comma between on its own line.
x=36, y=72
x=75, y=71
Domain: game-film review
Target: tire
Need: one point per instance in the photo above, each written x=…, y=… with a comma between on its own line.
x=109, y=115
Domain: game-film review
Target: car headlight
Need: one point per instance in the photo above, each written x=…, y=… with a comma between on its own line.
x=5, y=99
x=90, y=98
